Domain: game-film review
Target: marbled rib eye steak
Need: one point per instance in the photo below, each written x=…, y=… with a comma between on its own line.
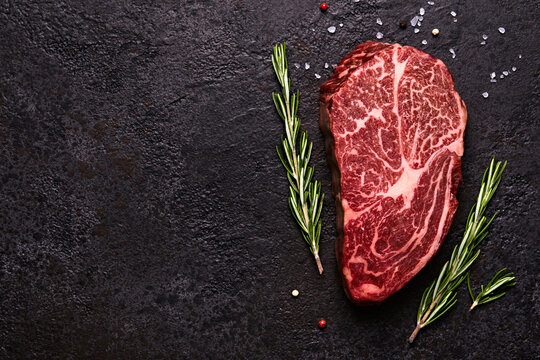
x=394, y=126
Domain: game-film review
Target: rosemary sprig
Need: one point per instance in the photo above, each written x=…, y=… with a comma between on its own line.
x=487, y=294
x=440, y=296
x=305, y=198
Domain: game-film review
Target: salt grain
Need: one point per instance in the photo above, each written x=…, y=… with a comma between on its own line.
x=514, y=68
x=414, y=21
x=306, y=66
x=453, y=53
x=340, y=25
x=485, y=94
x=506, y=73
x=379, y=21
x=435, y=32
x=379, y=35
x=419, y=23
x=485, y=37
x=424, y=42
x=502, y=30
x=420, y=18
x=295, y=293
x=334, y=66
x=326, y=65
x=492, y=75
x=431, y=3
x=453, y=13
x=416, y=31
x=297, y=66
x=483, y=43
x=422, y=11
x=493, y=80
x=519, y=56
x=455, y=20
x=317, y=76
x=332, y=29
x=502, y=76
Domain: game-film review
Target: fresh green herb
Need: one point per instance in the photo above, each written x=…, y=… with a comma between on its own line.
x=500, y=281
x=440, y=296
x=305, y=198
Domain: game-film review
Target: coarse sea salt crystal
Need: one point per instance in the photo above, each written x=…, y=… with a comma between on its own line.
x=455, y=20
x=492, y=75
x=424, y=42
x=341, y=25
x=485, y=37
x=514, y=68
x=422, y=11
x=414, y=21
x=483, y=43
x=519, y=56
x=306, y=66
x=485, y=94
x=379, y=21
x=326, y=65
x=506, y=73
x=453, y=13
x=379, y=35
x=296, y=65
x=502, y=76
x=416, y=30
x=332, y=29
x=452, y=51
x=493, y=80
x=317, y=76
x=502, y=30
x=431, y=3
x=419, y=23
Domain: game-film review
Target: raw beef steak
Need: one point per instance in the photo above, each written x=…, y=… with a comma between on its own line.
x=394, y=126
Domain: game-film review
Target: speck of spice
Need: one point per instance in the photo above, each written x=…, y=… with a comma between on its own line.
x=324, y=6
x=424, y=42
x=453, y=13
x=453, y=53
x=485, y=37
x=514, y=68
x=416, y=31
x=485, y=94
x=295, y=293
x=317, y=76
x=322, y=323
x=502, y=30
x=332, y=29
x=379, y=21
x=403, y=24
x=306, y=66
x=379, y=35
x=422, y=11
x=435, y=32
x=326, y=65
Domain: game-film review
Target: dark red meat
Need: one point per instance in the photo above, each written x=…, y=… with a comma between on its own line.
x=394, y=128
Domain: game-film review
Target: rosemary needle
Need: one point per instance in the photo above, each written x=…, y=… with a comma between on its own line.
x=305, y=198
x=440, y=296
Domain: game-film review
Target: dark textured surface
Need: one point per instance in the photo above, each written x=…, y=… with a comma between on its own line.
x=143, y=209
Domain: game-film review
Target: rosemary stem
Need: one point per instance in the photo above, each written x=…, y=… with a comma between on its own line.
x=424, y=318
x=317, y=259
x=473, y=305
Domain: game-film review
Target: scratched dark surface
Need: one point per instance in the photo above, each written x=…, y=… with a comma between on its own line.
x=143, y=210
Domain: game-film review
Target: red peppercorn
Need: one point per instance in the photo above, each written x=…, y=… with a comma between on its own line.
x=324, y=6
x=322, y=323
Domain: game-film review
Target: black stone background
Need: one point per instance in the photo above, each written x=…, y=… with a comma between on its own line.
x=143, y=208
